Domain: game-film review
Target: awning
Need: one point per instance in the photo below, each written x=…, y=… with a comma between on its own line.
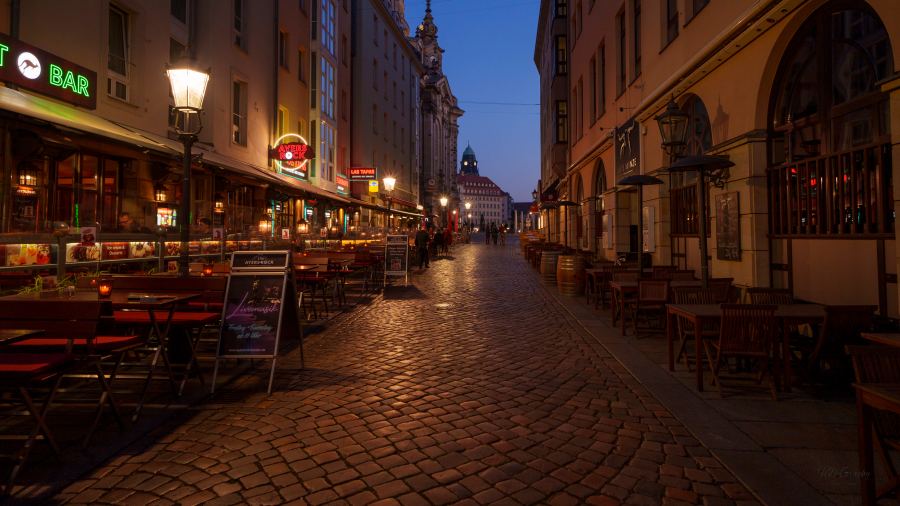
x=71, y=117
x=304, y=186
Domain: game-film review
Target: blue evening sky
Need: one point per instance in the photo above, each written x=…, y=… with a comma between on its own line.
x=489, y=58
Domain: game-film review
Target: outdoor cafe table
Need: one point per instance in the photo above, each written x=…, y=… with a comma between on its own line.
x=701, y=314
x=118, y=300
x=621, y=289
x=885, y=338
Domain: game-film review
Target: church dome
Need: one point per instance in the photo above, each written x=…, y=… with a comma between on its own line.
x=469, y=151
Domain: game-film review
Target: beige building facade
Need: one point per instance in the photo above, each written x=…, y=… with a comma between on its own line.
x=800, y=95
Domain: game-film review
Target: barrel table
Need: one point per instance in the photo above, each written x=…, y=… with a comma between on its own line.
x=548, y=265
x=570, y=274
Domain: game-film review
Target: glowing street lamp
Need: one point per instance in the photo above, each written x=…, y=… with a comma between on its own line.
x=188, y=89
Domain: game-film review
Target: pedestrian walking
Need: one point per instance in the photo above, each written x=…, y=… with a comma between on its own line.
x=503, y=235
x=448, y=240
x=494, y=233
x=421, y=241
x=438, y=242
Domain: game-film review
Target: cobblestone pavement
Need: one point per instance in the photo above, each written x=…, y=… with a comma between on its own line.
x=468, y=387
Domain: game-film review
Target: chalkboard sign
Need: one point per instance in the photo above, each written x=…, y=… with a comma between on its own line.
x=396, y=255
x=260, y=260
x=251, y=321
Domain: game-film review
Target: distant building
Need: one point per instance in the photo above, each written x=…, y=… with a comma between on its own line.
x=488, y=203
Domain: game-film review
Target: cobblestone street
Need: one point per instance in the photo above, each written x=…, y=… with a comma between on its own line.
x=469, y=386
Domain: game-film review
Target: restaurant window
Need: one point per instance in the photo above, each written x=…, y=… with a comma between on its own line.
x=239, y=113
x=111, y=176
x=829, y=144
x=118, y=58
x=683, y=193
x=620, y=60
x=562, y=55
x=562, y=118
x=239, y=38
x=64, y=190
x=671, y=20
x=86, y=204
x=301, y=66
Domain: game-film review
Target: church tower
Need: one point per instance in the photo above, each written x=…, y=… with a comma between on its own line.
x=469, y=165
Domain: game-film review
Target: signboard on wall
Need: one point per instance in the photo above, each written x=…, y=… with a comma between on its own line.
x=292, y=154
x=37, y=70
x=728, y=226
x=342, y=183
x=361, y=173
x=628, y=149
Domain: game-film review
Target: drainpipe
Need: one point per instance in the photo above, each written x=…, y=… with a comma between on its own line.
x=275, y=72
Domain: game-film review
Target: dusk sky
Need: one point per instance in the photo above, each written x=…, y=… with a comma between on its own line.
x=489, y=61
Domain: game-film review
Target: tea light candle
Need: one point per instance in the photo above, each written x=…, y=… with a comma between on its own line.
x=104, y=288
x=207, y=270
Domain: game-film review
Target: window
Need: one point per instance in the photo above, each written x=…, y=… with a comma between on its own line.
x=326, y=152
x=282, y=121
x=593, y=81
x=683, y=195
x=562, y=52
x=118, y=60
x=239, y=39
x=636, y=39
x=326, y=89
x=178, y=9
x=601, y=81
x=620, y=64
x=282, y=50
x=671, y=20
x=239, y=113
x=698, y=6
x=301, y=66
x=561, y=10
x=176, y=51
x=313, y=80
x=830, y=168
x=327, y=22
x=562, y=118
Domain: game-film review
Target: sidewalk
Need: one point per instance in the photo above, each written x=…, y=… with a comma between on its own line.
x=797, y=450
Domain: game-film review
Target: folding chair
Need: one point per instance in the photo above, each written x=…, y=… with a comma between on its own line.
x=651, y=301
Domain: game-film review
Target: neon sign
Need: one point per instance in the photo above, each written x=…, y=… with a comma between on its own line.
x=342, y=183
x=361, y=173
x=292, y=158
x=46, y=73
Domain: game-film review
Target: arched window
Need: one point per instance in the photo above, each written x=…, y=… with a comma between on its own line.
x=683, y=195
x=829, y=154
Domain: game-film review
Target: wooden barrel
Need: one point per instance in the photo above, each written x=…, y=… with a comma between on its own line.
x=548, y=265
x=570, y=274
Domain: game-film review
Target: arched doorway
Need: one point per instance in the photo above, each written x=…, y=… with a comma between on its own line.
x=830, y=191
x=684, y=232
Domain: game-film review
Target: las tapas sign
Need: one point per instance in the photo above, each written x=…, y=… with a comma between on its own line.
x=362, y=173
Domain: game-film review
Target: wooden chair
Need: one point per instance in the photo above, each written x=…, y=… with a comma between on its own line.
x=685, y=331
x=314, y=283
x=775, y=296
x=723, y=290
x=842, y=327
x=650, y=302
x=873, y=365
x=663, y=271
x=747, y=332
x=682, y=276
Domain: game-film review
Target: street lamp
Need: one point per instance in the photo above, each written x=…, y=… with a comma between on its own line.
x=188, y=88
x=389, y=183
x=444, y=201
x=673, y=132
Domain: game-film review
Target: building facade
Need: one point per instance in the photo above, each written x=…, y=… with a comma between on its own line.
x=799, y=95
x=439, y=125
x=488, y=203
x=386, y=72
x=551, y=56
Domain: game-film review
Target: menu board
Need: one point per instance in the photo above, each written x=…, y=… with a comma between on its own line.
x=728, y=226
x=78, y=252
x=396, y=255
x=260, y=260
x=27, y=254
x=114, y=250
x=251, y=321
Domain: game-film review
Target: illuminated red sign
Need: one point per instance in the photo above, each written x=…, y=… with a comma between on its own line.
x=361, y=173
x=292, y=152
x=342, y=183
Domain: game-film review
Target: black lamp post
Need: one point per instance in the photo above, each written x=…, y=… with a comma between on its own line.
x=389, y=183
x=188, y=88
x=673, y=132
x=640, y=180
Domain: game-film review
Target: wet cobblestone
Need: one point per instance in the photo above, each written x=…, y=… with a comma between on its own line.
x=469, y=386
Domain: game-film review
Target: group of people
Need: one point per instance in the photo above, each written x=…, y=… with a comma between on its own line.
x=431, y=242
x=495, y=234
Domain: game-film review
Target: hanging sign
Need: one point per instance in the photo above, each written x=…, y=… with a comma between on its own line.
x=342, y=183
x=362, y=173
x=628, y=149
x=46, y=73
x=292, y=154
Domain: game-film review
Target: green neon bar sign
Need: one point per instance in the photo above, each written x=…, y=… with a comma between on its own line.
x=35, y=69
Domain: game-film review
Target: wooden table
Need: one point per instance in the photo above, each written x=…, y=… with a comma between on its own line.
x=620, y=290
x=700, y=314
x=9, y=336
x=885, y=338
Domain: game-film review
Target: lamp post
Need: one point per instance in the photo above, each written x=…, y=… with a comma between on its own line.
x=673, y=132
x=188, y=88
x=444, y=217
x=389, y=182
x=640, y=180
x=468, y=206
